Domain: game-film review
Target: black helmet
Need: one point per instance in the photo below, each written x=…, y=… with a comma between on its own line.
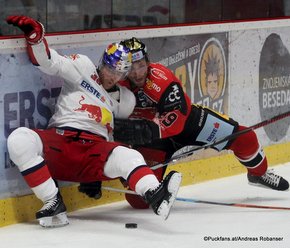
x=137, y=48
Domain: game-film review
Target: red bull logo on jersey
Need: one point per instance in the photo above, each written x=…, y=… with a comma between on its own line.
x=99, y=114
x=73, y=56
x=94, y=112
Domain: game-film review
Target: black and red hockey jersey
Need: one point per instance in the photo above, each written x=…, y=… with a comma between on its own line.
x=161, y=100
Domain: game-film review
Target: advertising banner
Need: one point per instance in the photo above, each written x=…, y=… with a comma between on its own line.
x=274, y=83
x=260, y=80
x=200, y=62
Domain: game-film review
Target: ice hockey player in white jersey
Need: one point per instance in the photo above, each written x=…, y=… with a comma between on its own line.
x=76, y=145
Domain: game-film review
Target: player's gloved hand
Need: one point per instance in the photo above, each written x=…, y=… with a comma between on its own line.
x=135, y=132
x=92, y=190
x=33, y=30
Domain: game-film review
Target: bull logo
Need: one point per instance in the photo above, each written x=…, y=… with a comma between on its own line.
x=99, y=114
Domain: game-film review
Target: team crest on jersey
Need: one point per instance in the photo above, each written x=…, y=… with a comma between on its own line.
x=212, y=81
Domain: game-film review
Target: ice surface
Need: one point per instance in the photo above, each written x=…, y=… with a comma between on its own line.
x=190, y=225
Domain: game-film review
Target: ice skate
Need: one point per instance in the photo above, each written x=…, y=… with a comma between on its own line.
x=269, y=180
x=53, y=213
x=162, y=198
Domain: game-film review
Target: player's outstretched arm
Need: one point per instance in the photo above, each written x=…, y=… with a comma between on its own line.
x=45, y=58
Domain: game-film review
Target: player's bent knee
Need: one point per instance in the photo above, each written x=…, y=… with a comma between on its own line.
x=122, y=161
x=245, y=145
x=24, y=145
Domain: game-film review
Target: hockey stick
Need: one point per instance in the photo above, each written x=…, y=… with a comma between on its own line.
x=221, y=140
x=241, y=205
x=191, y=200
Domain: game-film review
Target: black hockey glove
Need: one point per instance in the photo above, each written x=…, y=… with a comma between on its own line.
x=135, y=132
x=92, y=190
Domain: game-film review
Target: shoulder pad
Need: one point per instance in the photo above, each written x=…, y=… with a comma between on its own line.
x=127, y=102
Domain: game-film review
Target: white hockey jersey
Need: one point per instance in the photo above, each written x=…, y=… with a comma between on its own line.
x=83, y=103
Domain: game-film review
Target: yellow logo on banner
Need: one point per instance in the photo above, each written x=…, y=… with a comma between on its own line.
x=212, y=73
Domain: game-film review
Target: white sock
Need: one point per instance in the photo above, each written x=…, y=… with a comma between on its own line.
x=45, y=191
x=145, y=183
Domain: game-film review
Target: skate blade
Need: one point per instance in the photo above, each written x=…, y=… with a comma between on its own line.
x=58, y=220
x=163, y=210
x=173, y=187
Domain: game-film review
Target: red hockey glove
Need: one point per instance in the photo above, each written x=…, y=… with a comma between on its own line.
x=33, y=30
